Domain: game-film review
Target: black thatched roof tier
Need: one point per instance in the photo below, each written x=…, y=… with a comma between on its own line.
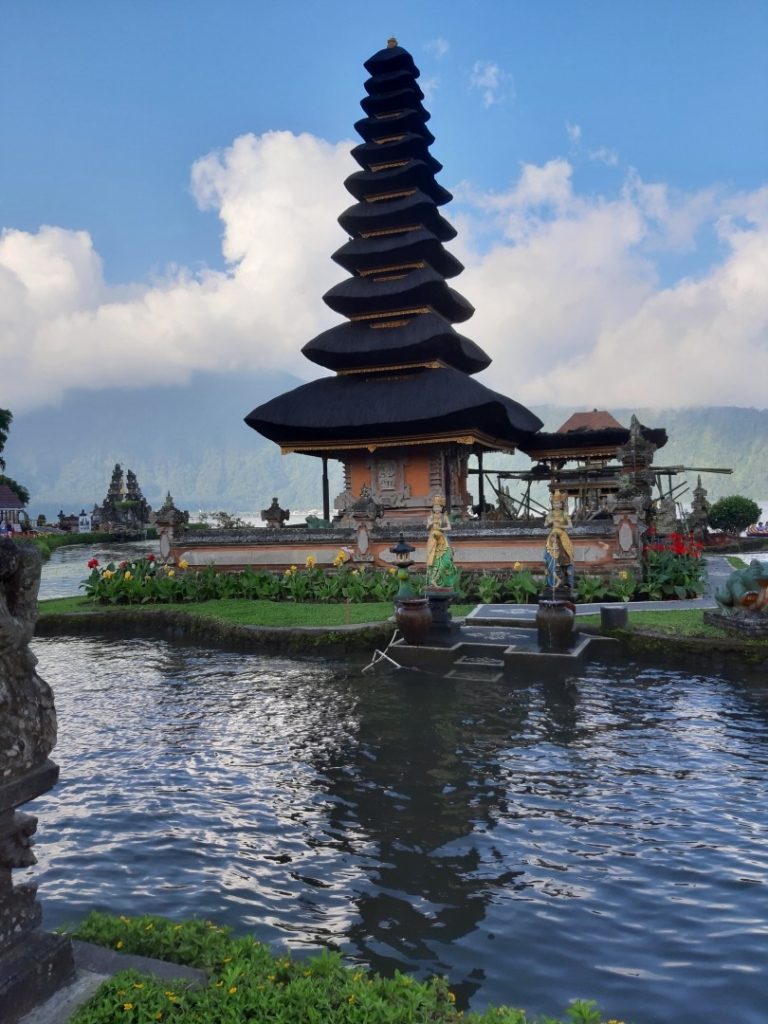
x=396, y=290
x=544, y=445
x=363, y=254
x=376, y=408
x=422, y=338
x=390, y=60
x=383, y=126
x=408, y=98
x=411, y=174
x=414, y=210
x=410, y=146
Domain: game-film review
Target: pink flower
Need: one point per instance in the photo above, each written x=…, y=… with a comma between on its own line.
x=93, y=563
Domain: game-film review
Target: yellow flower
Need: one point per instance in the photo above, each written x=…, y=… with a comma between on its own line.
x=233, y=990
x=452, y=997
x=127, y=1006
x=183, y=564
x=293, y=568
x=128, y=576
x=287, y=572
x=517, y=566
x=310, y=561
x=171, y=572
x=107, y=575
x=358, y=976
x=119, y=945
x=219, y=984
x=392, y=571
x=124, y=919
x=623, y=575
x=226, y=959
x=176, y=927
x=351, y=999
x=149, y=927
x=137, y=986
x=355, y=572
x=121, y=991
x=159, y=1015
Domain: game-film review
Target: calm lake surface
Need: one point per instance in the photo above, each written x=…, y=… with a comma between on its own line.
x=534, y=843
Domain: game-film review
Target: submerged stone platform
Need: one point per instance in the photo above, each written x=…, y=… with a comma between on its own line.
x=495, y=642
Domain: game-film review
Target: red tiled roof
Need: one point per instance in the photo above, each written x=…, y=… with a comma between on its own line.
x=8, y=499
x=598, y=419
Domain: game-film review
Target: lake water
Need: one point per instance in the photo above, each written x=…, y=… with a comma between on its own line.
x=535, y=843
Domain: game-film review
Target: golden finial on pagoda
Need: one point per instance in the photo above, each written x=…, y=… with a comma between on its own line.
x=391, y=42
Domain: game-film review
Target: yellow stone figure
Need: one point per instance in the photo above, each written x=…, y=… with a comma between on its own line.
x=558, y=553
x=440, y=571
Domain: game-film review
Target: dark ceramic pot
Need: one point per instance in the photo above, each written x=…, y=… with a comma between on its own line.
x=413, y=619
x=554, y=622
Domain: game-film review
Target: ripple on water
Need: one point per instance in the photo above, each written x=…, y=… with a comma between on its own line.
x=534, y=845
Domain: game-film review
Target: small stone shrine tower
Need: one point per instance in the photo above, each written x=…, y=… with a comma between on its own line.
x=402, y=413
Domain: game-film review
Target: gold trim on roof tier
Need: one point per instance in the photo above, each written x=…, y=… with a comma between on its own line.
x=390, y=231
x=390, y=313
x=383, y=196
x=477, y=437
x=383, y=117
x=375, y=168
x=390, y=277
x=389, y=323
x=431, y=364
x=419, y=265
x=389, y=138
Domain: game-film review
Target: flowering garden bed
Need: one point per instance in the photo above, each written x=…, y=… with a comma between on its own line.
x=672, y=569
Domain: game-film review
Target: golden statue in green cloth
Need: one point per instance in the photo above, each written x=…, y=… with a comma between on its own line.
x=440, y=570
x=558, y=553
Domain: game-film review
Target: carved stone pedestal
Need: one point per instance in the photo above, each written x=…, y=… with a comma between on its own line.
x=33, y=964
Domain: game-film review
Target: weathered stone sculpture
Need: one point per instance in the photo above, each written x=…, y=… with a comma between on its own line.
x=745, y=591
x=558, y=552
x=32, y=963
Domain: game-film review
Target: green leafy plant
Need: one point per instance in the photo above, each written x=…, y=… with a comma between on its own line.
x=488, y=589
x=590, y=588
x=521, y=586
x=672, y=568
x=247, y=981
x=623, y=585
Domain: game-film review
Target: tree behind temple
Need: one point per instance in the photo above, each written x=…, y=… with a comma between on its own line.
x=733, y=514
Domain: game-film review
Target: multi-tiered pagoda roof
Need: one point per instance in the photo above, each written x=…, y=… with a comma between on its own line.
x=403, y=373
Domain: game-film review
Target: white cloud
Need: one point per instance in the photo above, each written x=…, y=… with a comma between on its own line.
x=567, y=287
x=277, y=195
x=495, y=84
x=570, y=305
x=438, y=47
x=604, y=155
x=429, y=87
x=573, y=131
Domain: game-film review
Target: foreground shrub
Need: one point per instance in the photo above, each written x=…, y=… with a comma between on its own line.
x=248, y=983
x=672, y=569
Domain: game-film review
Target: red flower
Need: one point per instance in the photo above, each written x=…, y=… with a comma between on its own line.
x=123, y=565
x=93, y=563
x=150, y=558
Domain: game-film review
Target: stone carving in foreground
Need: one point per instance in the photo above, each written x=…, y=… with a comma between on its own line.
x=745, y=591
x=32, y=963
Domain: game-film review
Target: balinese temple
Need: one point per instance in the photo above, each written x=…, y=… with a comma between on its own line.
x=401, y=409
x=402, y=412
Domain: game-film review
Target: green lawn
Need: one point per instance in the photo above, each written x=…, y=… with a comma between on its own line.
x=248, y=613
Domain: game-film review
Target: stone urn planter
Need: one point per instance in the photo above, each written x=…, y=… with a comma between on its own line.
x=414, y=619
x=555, y=625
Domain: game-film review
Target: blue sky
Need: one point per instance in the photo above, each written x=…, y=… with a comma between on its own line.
x=608, y=157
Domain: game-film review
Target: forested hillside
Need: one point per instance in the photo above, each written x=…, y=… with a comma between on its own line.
x=193, y=442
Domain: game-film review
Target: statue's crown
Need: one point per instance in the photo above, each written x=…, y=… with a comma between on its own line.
x=438, y=500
